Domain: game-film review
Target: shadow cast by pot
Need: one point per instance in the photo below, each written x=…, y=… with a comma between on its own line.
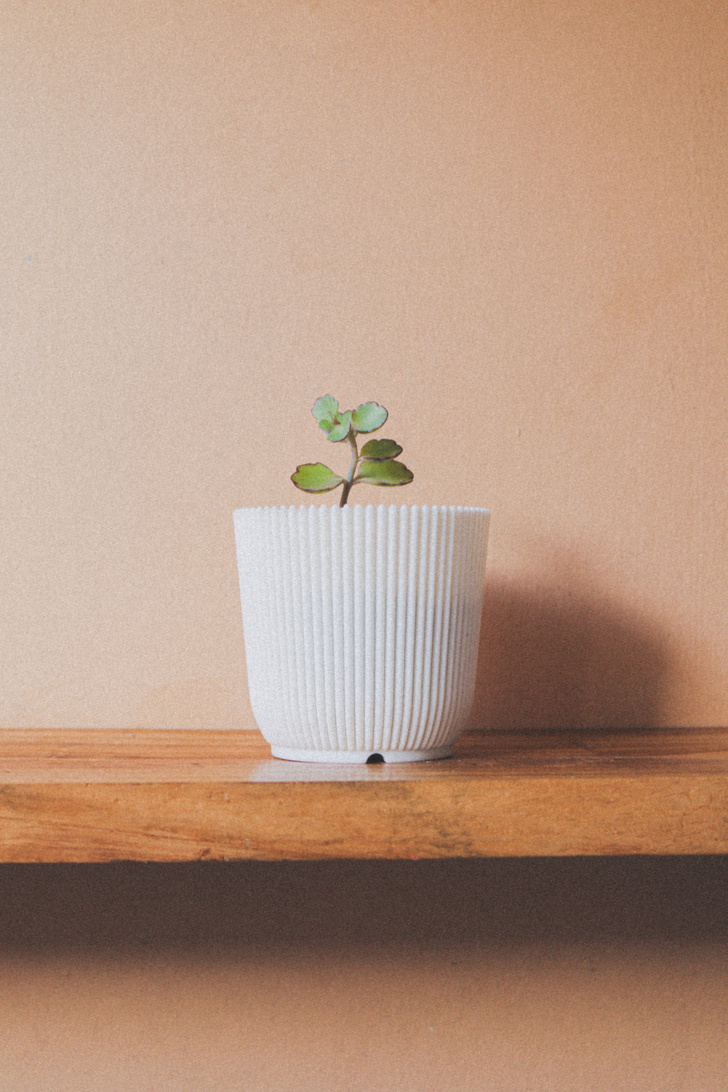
x=565, y=657
x=364, y=909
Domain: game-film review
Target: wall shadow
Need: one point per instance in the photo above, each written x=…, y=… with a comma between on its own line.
x=253, y=909
x=566, y=657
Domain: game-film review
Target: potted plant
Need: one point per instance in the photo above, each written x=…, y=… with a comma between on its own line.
x=361, y=623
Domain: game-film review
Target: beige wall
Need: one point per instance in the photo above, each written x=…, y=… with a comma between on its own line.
x=505, y=221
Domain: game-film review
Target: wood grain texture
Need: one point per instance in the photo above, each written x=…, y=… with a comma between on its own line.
x=102, y=795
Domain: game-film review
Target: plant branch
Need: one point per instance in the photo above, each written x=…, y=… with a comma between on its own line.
x=349, y=479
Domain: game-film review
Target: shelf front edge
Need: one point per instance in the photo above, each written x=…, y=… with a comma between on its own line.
x=680, y=813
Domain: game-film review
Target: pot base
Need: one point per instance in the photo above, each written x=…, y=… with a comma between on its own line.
x=361, y=757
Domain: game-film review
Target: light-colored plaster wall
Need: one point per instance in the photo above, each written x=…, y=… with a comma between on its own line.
x=504, y=221
x=507, y=222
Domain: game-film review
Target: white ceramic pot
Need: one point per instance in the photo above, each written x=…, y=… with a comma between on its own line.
x=361, y=627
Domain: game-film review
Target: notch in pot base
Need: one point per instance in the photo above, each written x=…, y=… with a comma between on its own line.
x=361, y=757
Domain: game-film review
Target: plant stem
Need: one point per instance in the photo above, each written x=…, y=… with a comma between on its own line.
x=349, y=480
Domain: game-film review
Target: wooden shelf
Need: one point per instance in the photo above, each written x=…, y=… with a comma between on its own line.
x=103, y=795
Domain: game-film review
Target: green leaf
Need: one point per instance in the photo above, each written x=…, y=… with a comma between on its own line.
x=325, y=410
x=341, y=427
x=335, y=424
x=384, y=473
x=368, y=417
x=380, y=449
x=315, y=478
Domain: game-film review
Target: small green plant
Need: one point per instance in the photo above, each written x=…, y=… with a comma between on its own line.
x=375, y=464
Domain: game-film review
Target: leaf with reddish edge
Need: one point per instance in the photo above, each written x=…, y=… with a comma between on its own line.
x=315, y=478
x=390, y=472
x=368, y=417
x=379, y=450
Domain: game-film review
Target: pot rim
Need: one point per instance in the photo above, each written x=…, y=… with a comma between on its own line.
x=352, y=507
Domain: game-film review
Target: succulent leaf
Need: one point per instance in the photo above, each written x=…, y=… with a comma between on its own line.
x=389, y=472
x=341, y=427
x=325, y=410
x=315, y=478
x=379, y=450
x=368, y=417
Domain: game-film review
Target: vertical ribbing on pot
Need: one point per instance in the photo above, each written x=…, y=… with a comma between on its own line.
x=361, y=624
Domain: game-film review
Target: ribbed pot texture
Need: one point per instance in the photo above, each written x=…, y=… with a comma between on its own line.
x=361, y=627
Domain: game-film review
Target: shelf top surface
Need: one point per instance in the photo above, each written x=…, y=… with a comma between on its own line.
x=93, y=756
